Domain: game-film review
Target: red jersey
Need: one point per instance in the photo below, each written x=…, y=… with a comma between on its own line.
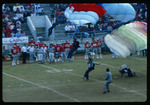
x=62, y=49
x=37, y=45
x=14, y=51
x=99, y=44
x=8, y=32
x=32, y=42
x=67, y=45
x=18, y=49
x=71, y=46
x=94, y=44
x=41, y=44
x=46, y=46
x=54, y=46
x=58, y=48
x=87, y=45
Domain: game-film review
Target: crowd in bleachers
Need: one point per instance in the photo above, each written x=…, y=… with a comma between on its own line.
x=105, y=23
x=13, y=15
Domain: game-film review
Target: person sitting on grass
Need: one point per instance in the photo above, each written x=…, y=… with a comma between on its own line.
x=127, y=70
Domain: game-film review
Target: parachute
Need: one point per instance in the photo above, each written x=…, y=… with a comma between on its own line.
x=82, y=13
x=127, y=39
x=123, y=12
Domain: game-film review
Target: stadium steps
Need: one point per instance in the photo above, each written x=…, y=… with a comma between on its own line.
x=26, y=29
x=40, y=32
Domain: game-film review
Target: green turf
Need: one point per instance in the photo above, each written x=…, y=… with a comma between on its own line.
x=63, y=82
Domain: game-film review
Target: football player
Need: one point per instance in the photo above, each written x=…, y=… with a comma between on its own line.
x=87, y=47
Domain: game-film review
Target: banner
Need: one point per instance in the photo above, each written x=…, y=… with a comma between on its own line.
x=15, y=40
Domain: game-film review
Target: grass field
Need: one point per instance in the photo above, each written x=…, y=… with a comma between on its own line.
x=62, y=82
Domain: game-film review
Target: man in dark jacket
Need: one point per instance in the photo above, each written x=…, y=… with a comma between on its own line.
x=51, y=28
x=74, y=48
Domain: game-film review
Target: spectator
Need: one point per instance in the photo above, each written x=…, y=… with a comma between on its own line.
x=15, y=18
x=60, y=18
x=3, y=32
x=17, y=10
x=68, y=22
x=13, y=34
x=109, y=28
x=33, y=14
x=25, y=14
x=6, y=18
x=22, y=9
x=53, y=19
x=18, y=24
x=12, y=26
x=72, y=26
x=18, y=34
x=86, y=34
x=77, y=31
x=43, y=13
x=67, y=29
x=22, y=34
x=19, y=29
x=72, y=29
x=20, y=16
x=8, y=32
x=39, y=10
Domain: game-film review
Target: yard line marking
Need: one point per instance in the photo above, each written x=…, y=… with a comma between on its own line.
x=138, y=58
x=101, y=82
x=42, y=87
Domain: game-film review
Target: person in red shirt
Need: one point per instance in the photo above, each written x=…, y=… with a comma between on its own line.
x=63, y=53
x=37, y=44
x=58, y=52
x=94, y=47
x=53, y=45
x=99, y=52
x=67, y=47
x=8, y=32
x=32, y=41
x=42, y=44
x=14, y=54
x=19, y=52
x=87, y=47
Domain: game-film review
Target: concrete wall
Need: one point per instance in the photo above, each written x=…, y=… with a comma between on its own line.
x=38, y=21
x=48, y=24
x=31, y=27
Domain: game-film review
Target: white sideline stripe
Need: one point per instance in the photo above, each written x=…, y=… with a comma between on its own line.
x=100, y=81
x=42, y=87
x=138, y=58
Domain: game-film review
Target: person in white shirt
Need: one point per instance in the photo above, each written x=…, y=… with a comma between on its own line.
x=31, y=52
x=67, y=29
x=15, y=17
x=22, y=9
x=24, y=53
